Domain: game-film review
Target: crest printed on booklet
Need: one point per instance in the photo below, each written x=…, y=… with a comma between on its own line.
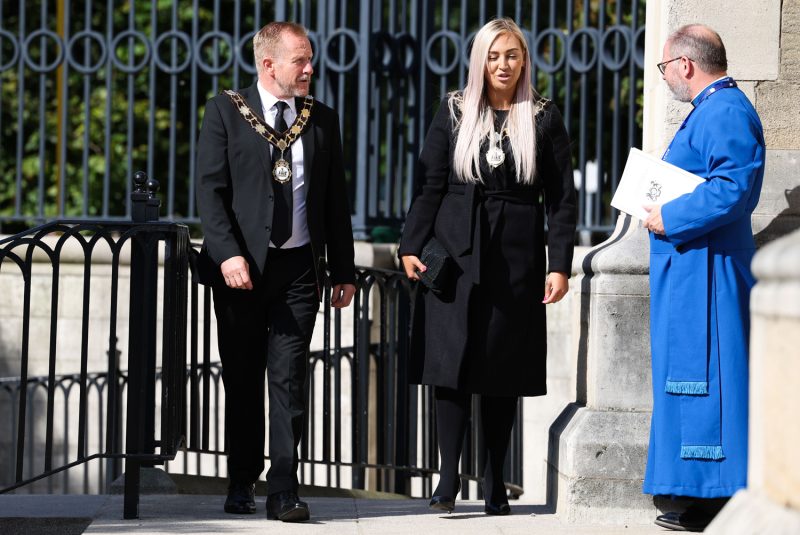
x=282, y=170
x=654, y=192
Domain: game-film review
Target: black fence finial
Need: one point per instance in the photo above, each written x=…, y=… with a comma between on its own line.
x=144, y=200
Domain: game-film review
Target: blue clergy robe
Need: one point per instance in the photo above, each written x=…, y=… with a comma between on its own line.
x=700, y=283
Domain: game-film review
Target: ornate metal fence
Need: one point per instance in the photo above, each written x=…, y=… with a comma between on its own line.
x=366, y=426
x=114, y=411
x=90, y=90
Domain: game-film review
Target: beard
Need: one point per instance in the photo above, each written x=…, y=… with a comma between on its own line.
x=292, y=87
x=680, y=90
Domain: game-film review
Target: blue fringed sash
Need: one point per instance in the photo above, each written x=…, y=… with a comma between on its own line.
x=693, y=352
x=694, y=388
x=711, y=453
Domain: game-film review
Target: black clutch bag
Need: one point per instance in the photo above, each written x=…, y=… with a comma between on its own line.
x=438, y=264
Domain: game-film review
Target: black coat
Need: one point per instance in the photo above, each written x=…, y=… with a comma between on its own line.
x=235, y=197
x=486, y=333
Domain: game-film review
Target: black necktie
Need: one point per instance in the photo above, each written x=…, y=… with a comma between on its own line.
x=282, y=214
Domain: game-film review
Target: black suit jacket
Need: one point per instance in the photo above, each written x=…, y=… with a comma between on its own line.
x=235, y=197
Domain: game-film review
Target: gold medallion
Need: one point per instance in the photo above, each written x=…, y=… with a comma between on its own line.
x=282, y=171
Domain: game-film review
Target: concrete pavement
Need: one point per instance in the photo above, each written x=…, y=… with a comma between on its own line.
x=184, y=514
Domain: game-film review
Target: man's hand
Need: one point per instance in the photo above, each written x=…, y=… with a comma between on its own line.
x=236, y=272
x=412, y=264
x=654, y=223
x=342, y=294
x=556, y=287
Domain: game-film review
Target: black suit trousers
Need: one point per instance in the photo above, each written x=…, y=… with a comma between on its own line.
x=267, y=329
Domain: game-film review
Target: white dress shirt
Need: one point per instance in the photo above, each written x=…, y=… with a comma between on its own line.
x=300, y=234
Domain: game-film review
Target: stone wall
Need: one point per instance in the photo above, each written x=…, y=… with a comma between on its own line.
x=598, y=444
x=771, y=503
x=778, y=103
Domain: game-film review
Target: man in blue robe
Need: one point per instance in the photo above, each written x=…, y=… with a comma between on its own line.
x=701, y=245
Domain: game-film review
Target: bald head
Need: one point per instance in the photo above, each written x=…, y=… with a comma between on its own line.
x=702, y=45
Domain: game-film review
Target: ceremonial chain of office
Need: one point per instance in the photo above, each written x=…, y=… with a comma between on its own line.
x=280, y=140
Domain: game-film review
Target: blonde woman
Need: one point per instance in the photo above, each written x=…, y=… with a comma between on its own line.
x=496, y=160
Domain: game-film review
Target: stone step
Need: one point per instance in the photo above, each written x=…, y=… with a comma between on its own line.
x=198, y=513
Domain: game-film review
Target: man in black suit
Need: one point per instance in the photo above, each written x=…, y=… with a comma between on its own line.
x=272, y=201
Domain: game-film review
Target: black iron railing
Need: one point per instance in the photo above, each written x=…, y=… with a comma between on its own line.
x=363, y=416
x=366, y=426
x=38, y=256
x=32, y=454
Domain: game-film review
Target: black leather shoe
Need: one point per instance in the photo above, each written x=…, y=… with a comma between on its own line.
x=241, y=499
x=498, y=509
x=690, y=520
x=287, y=507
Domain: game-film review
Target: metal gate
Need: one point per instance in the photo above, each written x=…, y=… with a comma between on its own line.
x=91, y=90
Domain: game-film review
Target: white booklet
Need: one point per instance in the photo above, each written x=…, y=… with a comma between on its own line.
x=650, y=180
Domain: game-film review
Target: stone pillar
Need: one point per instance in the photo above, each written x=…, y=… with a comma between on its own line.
x=771, y=503
x=778, y=103
x=598, y=445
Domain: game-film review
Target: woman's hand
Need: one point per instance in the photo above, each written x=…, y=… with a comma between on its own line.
x=555, y=287
x=412, y=264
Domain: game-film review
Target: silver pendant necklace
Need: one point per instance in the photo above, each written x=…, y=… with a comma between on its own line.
x=495, y=155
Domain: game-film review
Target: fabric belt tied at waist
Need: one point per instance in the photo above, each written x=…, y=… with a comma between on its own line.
x=476, y=195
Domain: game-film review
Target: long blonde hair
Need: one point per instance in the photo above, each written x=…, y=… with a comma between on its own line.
x=475, y=118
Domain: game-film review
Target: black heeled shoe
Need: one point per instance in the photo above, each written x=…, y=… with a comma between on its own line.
x=445, y=503
x=499, y=509
x=494, y=507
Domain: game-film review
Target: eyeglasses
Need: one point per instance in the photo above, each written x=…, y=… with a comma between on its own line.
x=663, y=65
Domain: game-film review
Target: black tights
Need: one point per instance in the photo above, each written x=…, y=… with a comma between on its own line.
x=452, y=413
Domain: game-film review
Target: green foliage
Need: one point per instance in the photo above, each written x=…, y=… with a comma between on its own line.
x=69, y=142
x=78, y=114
